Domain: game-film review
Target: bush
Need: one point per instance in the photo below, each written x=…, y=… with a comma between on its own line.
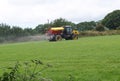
x=25, y=72
x=100, y=27
x=118, y=28
x=97, y=33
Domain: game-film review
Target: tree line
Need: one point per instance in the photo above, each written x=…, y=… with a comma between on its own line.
x=110, y=22
x=7, y=30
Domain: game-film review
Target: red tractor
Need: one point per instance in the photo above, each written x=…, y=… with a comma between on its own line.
x=57, y=33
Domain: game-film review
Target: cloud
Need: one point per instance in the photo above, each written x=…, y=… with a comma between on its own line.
x=30, y=2
x=29, y=13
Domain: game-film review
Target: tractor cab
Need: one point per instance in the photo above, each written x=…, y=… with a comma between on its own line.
x=67, y=30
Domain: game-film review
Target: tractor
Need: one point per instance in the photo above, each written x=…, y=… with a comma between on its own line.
x=65, y=32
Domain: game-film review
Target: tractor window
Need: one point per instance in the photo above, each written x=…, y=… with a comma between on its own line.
x=68, y=30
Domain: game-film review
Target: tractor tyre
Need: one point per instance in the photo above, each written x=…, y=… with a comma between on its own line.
x=58, y=38
x=74, y=37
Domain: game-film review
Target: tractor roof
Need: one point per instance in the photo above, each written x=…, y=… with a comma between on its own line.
x=57, y=28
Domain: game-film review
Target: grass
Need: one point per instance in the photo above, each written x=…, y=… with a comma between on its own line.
x=87, y=59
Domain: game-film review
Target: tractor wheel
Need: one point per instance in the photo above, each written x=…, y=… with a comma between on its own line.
x=74, y=37
x=58, y=38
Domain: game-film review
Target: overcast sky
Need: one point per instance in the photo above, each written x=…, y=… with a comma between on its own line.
x=30, y=13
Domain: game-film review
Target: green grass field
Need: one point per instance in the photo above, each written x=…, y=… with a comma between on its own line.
x=87, y=59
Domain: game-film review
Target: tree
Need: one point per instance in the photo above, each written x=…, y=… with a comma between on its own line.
x=61, y=22
x=4, y=30
x=112, y=20
x=41, y=28
x=100, y=27
x=17, y=31
x=83, y=26
x=29, y=31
